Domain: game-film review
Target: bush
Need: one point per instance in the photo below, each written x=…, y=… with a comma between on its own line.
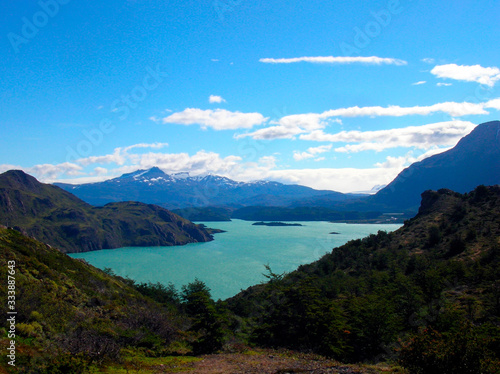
x=460, y=352
x=207, y=321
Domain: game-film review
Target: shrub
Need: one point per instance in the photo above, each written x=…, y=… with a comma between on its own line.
x=464, y=351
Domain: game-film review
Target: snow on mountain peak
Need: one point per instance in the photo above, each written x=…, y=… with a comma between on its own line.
x=156, y=176
x=180, y=175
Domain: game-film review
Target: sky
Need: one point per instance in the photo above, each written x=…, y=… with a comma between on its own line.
x=339, y=95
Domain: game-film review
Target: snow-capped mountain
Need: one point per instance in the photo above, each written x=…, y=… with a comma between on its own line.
x=180, y=190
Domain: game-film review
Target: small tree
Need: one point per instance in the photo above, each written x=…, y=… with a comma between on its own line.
x=207, y=322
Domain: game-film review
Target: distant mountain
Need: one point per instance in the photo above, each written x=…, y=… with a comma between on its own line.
x=153, y=186
x=475, y=160
x=60, y=219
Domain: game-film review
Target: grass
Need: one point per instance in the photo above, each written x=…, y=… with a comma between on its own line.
x=140, y=364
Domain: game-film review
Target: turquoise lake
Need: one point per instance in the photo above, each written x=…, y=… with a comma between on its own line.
x=235, y=259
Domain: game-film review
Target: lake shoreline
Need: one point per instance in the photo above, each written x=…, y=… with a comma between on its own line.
x=235, y=260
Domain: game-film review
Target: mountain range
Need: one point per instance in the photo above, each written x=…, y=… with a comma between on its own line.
x=58, y=218
x=475, y=160
x=180, y=190
x=426, y=296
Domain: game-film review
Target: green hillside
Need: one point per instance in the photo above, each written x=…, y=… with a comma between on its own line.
x=70, y=314
x=60, y=219
x=74, y=318
x=427, y=294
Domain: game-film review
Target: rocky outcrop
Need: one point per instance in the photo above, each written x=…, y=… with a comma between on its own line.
x=56, y=217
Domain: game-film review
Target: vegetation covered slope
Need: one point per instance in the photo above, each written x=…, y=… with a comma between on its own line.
x=60, y=219
x=427, y=294
x=70, y=314
x=74, y=318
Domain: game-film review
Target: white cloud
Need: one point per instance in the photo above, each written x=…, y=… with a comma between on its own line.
x=429, y=60
x=392, y=162
x=156, y=145
x=116, y=157
x=493, y=104
x=342, y=179
x=7, y=167
x=273, y=132
x=421, y=137
x=100, y=171
x=199, y=163
x=452, y=108
x=372, y=60
x=49, y=172
x=442, y=84
x=216, y=99
x=290, y=126
x=469, y=73
x=202, y=162
x=311, y=152
x=308, y=125
x=431, y=152
x=119, y=156
x=350, y=179
x=408, y=159
x=419, y=83
x=218, y=119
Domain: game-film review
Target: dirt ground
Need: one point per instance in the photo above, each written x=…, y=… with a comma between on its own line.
x=271, y=362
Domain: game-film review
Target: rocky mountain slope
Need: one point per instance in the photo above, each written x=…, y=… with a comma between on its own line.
x=60, y=219
x=473, y=161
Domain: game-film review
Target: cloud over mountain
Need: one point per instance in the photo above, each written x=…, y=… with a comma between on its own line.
x=421, y=137
x=308, y=124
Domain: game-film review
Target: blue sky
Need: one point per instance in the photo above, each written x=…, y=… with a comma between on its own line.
x=334, y=95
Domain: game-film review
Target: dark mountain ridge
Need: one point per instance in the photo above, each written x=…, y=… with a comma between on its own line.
x=475, y=160
x=60, y=219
